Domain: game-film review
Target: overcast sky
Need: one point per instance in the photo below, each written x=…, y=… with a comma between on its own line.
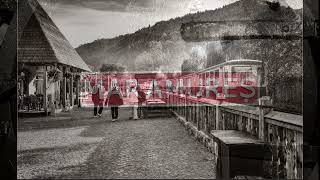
x=83, y=21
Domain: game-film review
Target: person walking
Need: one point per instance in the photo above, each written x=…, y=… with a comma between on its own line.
x=114, y=100
x=97, y=98
x=141, y=100
x=133, y=100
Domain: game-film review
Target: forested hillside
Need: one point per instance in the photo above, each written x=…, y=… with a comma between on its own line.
x=161, y=47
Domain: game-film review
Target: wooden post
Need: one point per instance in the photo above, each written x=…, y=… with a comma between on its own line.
x=261, y=121
x=259, y=81
x=217, y=116
x=64, y=89
x=223, y=120
x=193, y=115
x=22, y=85
x=205, y=115
x=249, y=125
x=198, y=109
x=71, y=91
x=185, y=106
x=263, y=102
x=45, y=97
x=188, y=111
x=22, y=92
x=77, y=92
x=263, y=109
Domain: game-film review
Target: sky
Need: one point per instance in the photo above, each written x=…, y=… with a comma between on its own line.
x=83, y=21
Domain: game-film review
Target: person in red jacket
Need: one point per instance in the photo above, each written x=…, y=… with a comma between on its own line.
x=114, y=100
x=97, y=98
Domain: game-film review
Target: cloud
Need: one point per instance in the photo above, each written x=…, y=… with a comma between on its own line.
x=107, y=5
x=125, y=5
x=150, y=5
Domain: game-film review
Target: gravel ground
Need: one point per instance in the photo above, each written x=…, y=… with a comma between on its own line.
x=74, y=145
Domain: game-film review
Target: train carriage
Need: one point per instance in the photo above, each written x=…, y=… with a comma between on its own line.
x=238, y=76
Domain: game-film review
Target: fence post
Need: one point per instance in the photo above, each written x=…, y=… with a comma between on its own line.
x=198, y=117
x=174, y=102
x=193, y=113
x=218, y=116
x=223, y=119
x=263, y=102
x=261, y=121
x=180, y=109
x=185, y=107
x=205, y=115
x=189, y=109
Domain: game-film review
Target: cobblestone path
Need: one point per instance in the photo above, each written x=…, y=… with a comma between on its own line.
x=147, y=148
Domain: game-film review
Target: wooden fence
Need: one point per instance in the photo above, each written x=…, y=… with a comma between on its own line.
x=287, y=96
x=282, y=131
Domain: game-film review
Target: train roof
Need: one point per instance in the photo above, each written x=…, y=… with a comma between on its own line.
x=234, y=62
x=230, y=62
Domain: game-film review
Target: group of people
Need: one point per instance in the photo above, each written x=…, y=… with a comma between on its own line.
x=114, y=99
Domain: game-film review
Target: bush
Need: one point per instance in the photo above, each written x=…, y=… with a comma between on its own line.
x=112, y=68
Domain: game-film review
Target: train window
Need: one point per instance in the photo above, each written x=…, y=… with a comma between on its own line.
x=233, y=74
x=242, y=73
x=207, y=75
x=216, y=74
x=225, y=75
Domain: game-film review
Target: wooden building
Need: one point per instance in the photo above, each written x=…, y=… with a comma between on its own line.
x=48, y=66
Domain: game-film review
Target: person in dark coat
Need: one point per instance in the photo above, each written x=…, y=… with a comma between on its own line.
x=114, y=100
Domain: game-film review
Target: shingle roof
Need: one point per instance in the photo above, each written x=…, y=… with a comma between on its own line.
x=40, y=40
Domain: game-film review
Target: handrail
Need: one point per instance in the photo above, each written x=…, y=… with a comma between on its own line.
x=287, y=120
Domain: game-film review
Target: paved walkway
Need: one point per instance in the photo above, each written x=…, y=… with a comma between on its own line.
x=73, y=145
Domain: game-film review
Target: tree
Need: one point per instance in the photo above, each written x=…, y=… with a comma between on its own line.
x=143, y=61
x=215, y=58
x=151, y=59
x=189, y=65
x=112, y=68
x=215, y=53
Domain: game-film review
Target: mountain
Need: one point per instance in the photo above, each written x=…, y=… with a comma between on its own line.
x=161, y=47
